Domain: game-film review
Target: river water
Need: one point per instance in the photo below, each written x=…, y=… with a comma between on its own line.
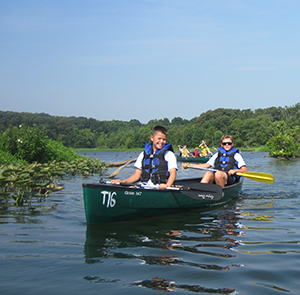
x=250, y=246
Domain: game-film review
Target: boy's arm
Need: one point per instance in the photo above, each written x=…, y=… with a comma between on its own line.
x=171, y=179
x=204, y=165
x=243, y=169
x=133, y=178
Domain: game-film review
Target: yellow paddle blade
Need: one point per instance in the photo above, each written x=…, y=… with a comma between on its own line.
x=258, y=176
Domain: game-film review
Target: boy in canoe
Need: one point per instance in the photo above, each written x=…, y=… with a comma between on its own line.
x=156, y=166
x=196, y=153
x=227, y=160
x=184, y=152
x=204, y=149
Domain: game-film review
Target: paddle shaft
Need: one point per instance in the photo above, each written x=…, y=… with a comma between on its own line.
x=256, y=176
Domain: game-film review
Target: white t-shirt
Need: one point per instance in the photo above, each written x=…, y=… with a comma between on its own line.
x=239, y=159
x=169, y=157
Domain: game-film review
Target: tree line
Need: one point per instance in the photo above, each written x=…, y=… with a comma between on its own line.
x=250, y=128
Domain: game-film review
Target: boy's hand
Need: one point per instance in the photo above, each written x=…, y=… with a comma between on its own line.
x=115, y=181
x=162, y=186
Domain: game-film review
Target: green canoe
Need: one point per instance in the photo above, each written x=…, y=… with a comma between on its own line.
x=193, y=159
x=107, y=203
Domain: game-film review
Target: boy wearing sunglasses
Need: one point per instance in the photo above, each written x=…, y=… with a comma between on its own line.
x=227, y=160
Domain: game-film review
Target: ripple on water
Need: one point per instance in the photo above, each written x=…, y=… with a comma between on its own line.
x=250, y=246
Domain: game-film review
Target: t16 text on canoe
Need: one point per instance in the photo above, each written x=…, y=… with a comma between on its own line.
x=108, y=199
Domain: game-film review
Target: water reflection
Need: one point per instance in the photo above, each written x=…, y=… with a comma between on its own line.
x=29, y=213
x=169, y=241
x=167, y=286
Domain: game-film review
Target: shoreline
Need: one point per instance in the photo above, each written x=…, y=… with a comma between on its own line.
x=249, y=149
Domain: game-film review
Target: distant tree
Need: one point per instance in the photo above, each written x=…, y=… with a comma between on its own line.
x=134, y=123
x=285, y=142
x=217, y=138
x=102, y=140
x=187, y=136
x=198, y=135
x=177, y=121
x=175, y=135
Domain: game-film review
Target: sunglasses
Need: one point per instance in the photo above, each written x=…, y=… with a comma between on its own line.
x=226, y=142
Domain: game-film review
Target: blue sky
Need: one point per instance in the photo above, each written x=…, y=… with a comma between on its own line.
x=148, y=59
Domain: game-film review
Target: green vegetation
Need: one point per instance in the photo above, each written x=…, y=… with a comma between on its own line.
x=31, y=164
x=250, y=128
x=286, y=141
x=36, y=149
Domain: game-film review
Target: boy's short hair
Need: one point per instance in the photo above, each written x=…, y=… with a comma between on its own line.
x=160, y=129
x=226, y=136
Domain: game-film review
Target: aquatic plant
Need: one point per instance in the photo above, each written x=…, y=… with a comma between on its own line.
x=21, y=182
x=32, y=164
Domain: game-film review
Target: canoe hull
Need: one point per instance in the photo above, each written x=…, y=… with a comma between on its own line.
x=107, y=203
x=193, y=159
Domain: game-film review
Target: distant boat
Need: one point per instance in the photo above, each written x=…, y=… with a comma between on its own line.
x=105, y=202
x=193, y=159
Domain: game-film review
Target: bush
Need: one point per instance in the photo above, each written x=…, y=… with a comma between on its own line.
x=25, y=143
x=30, y=144
x=7, y=158
x=285, y=143
x=56, y=151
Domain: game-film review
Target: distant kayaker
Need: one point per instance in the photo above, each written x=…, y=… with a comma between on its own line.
x=227, y=160
x=184, y=152
x=156, y=166
x=196, y=153
x=205, y=151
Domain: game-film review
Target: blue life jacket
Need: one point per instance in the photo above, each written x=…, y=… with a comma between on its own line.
x=225, y=160
x=154, y=166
